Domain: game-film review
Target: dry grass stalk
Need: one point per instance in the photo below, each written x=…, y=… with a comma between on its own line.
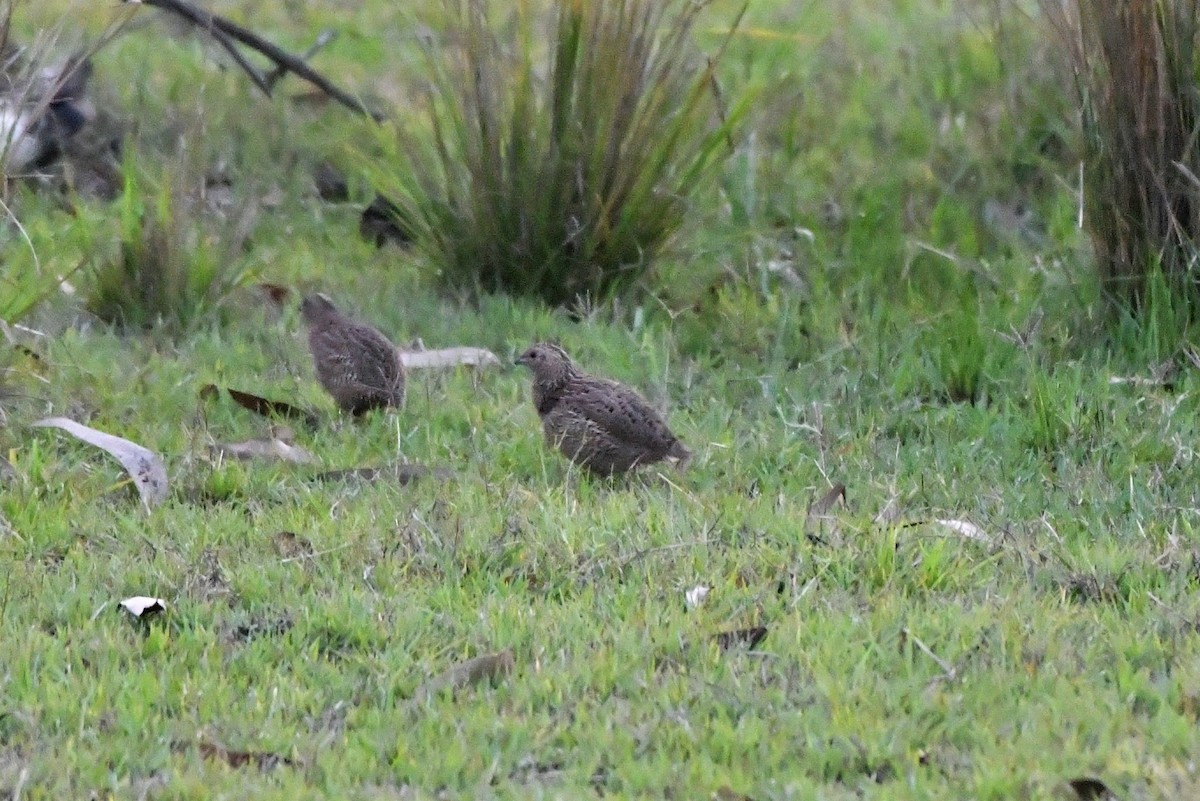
x=1134, y=64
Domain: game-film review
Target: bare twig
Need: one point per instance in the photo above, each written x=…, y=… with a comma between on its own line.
x=226, y=33
x=947, y=668
x=674, y=546
x=323, y=38
x=230, y=46
x=315, y=554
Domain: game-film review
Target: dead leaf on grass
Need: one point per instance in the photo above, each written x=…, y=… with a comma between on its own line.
x=275, y=448
x=330, y=183
x=1091, y=588
x=37, y=364
x=967, y=530
x=278, y=295
x=448, y=357
x=1089, y=789
x=822, y=507
x=1162, y=375
x=262, y=760
x=272, y=408
x=206, y=580
x=696, y=595
x=293, y=546
x=400, y=473
x=142, y=464
x=465, y=674
x=8, y=473
x=260, y=627
x=740, y=638
x=143, y=607
x=727, y=793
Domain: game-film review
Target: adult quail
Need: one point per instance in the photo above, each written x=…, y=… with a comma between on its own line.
x=600, y=425
x=355, y=363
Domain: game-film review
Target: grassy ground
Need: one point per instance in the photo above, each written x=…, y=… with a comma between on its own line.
x=846, y=313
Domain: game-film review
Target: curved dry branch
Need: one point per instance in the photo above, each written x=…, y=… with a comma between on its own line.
x=229, y=34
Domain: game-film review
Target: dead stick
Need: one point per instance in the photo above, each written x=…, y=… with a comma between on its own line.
x=230, y=46
x=323, y=38
x=283, y=59
x=947, y=668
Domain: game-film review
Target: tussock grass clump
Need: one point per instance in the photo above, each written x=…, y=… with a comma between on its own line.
x=179, y=252
x=1135, y=64
x=559, y=169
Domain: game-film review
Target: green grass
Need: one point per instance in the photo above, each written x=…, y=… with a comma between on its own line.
x=935, y=367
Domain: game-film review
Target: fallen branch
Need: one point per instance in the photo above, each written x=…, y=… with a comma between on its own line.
x=323, y=38
x=229, y=34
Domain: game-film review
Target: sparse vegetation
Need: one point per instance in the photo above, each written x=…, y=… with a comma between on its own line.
x=180, y=250
x=886, y=289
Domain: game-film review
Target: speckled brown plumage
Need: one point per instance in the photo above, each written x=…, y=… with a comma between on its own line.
x=355, y=363
x=599, y=424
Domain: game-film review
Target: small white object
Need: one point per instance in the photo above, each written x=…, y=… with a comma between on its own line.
x=696, y=595
x=142, y=606
x=967, y=529
x=448, y=357
x=18, y=146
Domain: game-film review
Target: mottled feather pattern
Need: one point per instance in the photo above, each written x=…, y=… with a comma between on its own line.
x=599, y=424
x=356, y=364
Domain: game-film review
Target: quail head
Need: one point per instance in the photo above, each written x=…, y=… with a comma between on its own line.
x=355, y=363
x=601, y=425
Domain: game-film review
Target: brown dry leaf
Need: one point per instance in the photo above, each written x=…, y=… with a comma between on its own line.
x=273, y=408
x=293, y=546
x=282, y=433
x=143, y=465
x=260, y=627
x=448, y=357
x=8, y=473
x=238, y=759
x=330, y=183
x=1089, y=789
x=278, y=295
x=822, y=507
x=740, y=638
x=464, y=674
x=727, y=793
x=400, y=473
x=273, y=448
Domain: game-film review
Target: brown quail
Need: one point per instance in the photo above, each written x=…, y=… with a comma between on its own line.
x=355, y=363
x=599, y=424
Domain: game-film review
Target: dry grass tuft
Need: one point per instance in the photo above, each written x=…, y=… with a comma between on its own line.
x=1134, y=66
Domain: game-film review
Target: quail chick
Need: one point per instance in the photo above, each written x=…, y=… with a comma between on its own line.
x=599, y=424
x=355, y=363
